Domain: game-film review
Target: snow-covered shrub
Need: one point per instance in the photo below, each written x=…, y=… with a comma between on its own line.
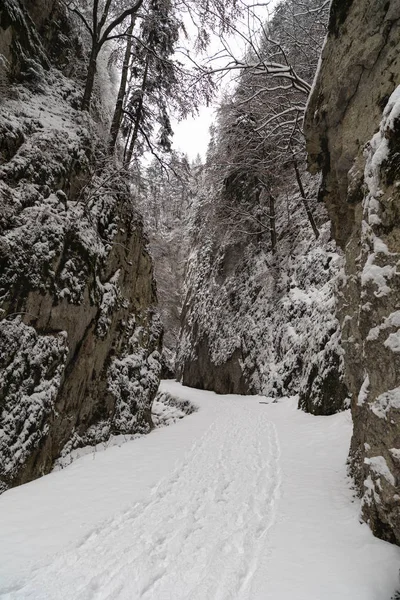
x=168, y=409
x=111, y=298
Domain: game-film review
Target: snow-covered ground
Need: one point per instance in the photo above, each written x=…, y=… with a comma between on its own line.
x=239, y=500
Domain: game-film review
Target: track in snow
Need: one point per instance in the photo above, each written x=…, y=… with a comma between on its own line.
x=255, y=508
x=198, y=537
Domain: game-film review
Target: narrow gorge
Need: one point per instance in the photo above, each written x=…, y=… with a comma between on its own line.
x=262, y=273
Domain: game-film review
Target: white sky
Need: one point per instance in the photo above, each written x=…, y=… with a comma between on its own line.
x=192, y=135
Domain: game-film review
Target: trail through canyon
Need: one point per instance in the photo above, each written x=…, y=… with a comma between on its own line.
x=241, y=500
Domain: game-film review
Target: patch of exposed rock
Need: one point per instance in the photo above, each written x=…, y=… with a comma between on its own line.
x=199, y=371
x=353, y=132
x=37, y=32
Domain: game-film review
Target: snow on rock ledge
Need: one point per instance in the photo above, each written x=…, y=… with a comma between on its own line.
x=377, y=419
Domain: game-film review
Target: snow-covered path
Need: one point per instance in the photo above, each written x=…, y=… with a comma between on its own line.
x=241, y=500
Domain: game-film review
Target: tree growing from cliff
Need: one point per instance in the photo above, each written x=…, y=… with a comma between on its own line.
x=160, y=84
x=102, y=20
x=260, y=124
x=241, y=174
x=149, y=32
x=119, y=106
x=154, y=80
x=282, y=51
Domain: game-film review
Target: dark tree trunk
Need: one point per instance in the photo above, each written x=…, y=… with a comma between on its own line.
x=100, y=33
x=132, y=140
x=305, y=200
x=127, y=145
x=138, y=116
x=118, y=112
x=258, y=196
x=91, y=73
x=272, y=222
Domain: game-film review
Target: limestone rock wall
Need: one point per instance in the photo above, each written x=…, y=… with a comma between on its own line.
x=353, y=133
x=37, y=32
x=258, y=323
x=80, y=338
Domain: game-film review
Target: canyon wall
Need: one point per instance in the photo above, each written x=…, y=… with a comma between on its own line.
x=255, y=322
x=353, y=138
x=80, y=337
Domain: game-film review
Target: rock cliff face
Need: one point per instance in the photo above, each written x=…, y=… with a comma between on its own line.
x=37, y=31
x=353, y=132
x=79, y=335
x=258, y=323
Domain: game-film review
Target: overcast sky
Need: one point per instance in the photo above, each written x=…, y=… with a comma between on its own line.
x=191, y=135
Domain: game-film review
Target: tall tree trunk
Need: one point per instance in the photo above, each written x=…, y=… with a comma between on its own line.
x=272, y=222
x=134, y=134
x=138, y=115
x=127, y=144
x=104, y=16
x=305, y=200
x=259, y=195
x=91, y=73
x=118, y=112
